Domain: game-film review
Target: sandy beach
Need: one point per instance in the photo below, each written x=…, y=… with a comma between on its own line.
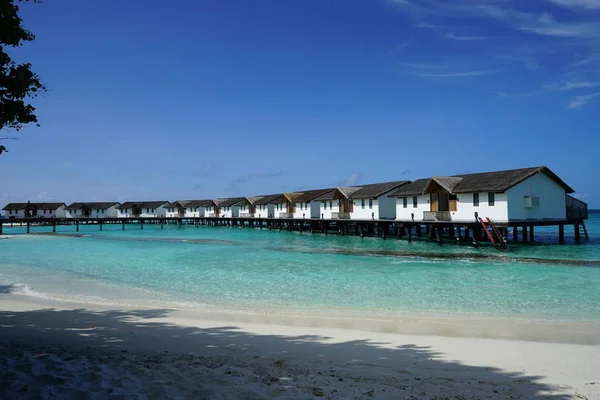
x=59, y=349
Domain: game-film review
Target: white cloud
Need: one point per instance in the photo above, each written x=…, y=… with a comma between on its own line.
x=580, y=101
x=427, y=26
x=585, y=4
x=352, y=179
x=541, y=24
x=423, y=66
x=590, y=59
x=452, y=36
x=571, y=86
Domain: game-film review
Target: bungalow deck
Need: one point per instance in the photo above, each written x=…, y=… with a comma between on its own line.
x=439, y=231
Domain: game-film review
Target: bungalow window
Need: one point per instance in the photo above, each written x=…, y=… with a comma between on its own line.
x=331, y=205
x=324, y=205
x=307, y=204
x=475, y=199
x=370, y=203
x=415, y=202
x=405, y=202
x=491, y=199
x=362, y=203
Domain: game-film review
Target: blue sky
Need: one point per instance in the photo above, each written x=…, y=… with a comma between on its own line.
x=151, y=100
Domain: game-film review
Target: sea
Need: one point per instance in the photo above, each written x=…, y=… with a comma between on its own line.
x=262, y=271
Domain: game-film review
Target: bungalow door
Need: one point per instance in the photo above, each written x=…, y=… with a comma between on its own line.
x=435, y=202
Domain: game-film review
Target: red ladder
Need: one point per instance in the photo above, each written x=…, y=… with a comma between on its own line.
x=498, y=235
x=494, y=235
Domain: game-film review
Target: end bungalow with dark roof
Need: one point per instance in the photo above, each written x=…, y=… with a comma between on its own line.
x=364, y=202
x=93, y=210
x=510, y=195
x=146, y=209
x=39, y=210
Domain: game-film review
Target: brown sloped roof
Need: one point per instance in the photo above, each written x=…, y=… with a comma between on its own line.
x=199, y=203
x=39, y=206
x=268, y=199
x=143, y=204
x=178, y=203
x=501, y=181
x=375, y=190
x=228, y=202
x=92, y=205
x=411, y=189
x=448, y=183
x=310, y=195
x=495, y=181
x=363, y=191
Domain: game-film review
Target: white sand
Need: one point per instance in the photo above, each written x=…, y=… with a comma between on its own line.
x=50, y=349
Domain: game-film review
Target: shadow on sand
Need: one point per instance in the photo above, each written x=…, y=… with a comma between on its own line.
x=133, y=331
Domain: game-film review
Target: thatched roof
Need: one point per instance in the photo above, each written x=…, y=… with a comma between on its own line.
x=143, y=204
x=412, y=189
x=228, y=202
x=371, y=191
x=303, y=196
x=501, y=181
x=268, y=199
x=199, y=203
x=92, y=205
x=496, y=181
x=39, y=206
x=178, y=203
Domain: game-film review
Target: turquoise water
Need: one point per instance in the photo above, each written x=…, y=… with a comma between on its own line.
x=261, y=270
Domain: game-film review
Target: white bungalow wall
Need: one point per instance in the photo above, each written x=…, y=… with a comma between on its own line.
x=465, y=208
x=194, y=212
x=552, y=199
x=14, y=213
x=265, y=211
x=382, y=207
x=303, y=210
x=370, y=211
x=405, y=214
x=328, y=207
x=278, y=210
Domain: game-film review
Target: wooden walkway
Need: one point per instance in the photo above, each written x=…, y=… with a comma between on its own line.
x=438, y=231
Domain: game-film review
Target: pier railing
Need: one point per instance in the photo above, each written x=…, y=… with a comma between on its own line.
x=576, y=209
x=286, y=215
x=437, y=216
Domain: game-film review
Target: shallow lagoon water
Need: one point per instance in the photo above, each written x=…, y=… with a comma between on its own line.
x=261, y=270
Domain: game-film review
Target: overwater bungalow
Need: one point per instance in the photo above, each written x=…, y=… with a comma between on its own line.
x=365, y=202
x=143, y=209
x=256, y=206
x=226, y=207
x=525, y=194
x=299, y=204
x=38, y=210
x=93, y=210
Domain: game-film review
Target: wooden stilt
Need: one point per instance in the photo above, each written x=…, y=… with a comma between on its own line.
x=28, y=227
x=531, y=234
x=53, y=227
x=100, y=225
x=515, y=234
x=123, y=223
x=77, y=226
x=141, y=224
x=584, y=229
x=561, y=234
x=577, y=233
x=419, y=232
x=439, y=233
x=409, y=231
x=524, y=233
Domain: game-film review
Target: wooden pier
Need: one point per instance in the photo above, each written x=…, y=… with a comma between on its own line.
x=471, y=233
